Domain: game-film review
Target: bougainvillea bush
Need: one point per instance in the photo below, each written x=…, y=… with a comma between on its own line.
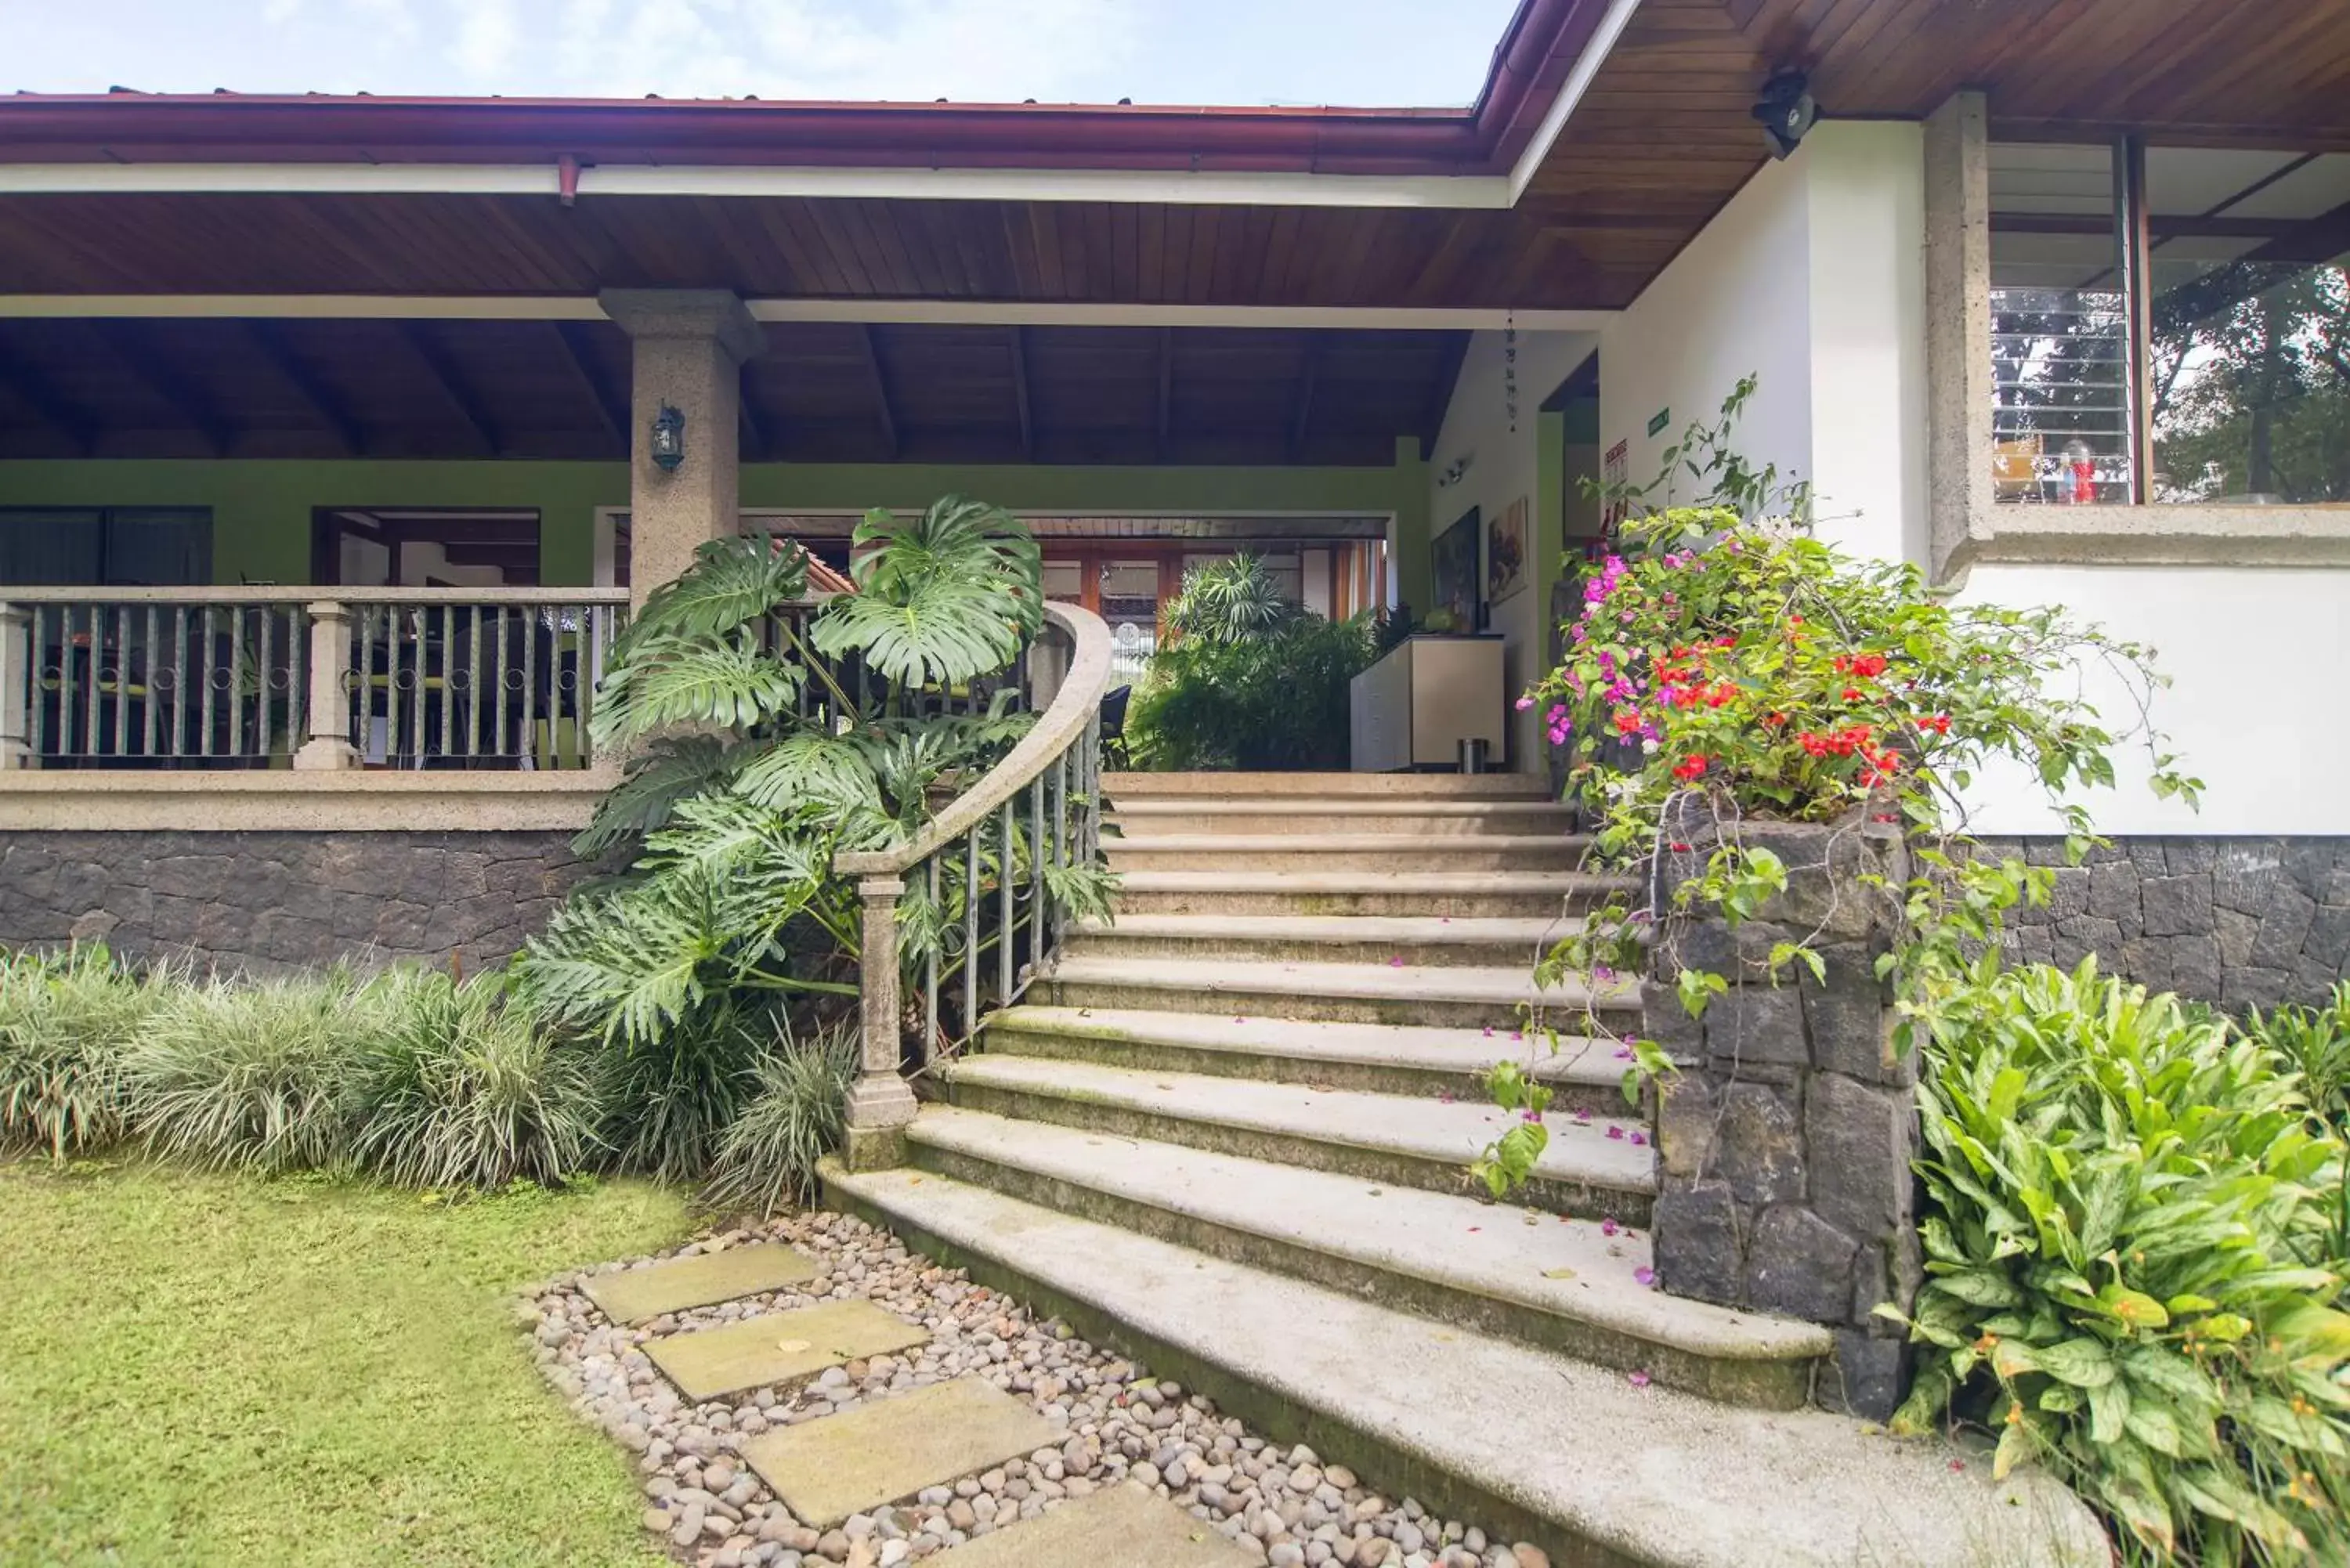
x=1726, y=671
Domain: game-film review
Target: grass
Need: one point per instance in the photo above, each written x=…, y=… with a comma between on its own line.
x=200, y=1370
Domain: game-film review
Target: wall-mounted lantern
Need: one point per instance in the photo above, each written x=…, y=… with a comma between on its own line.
x=669, y=438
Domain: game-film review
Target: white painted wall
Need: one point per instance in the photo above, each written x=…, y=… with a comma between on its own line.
x=1812, y=278
x=2249, y=652
x=1502, y=469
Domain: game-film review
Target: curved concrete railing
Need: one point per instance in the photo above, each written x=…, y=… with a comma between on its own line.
x=1054, y=770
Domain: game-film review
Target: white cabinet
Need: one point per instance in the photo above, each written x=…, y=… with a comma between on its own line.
x=1415, y=707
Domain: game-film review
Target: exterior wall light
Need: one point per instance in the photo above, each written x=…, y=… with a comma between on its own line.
x=669, y=438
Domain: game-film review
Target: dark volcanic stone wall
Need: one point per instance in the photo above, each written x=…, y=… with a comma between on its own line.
x=2241, y=922
x=268, y=901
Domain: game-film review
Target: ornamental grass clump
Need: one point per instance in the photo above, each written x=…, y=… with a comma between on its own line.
x=466, y=1087
x=66, y=1019
x=2135, y=1269
x=767, y=1158
x=253, y=1074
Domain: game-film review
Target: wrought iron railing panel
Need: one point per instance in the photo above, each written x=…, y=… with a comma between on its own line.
x=301, y=677
x=969, y=911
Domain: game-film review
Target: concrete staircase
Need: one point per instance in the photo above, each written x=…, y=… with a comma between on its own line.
x=1229, y=1132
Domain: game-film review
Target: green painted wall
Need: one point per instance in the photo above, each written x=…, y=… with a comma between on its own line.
x=261, y=511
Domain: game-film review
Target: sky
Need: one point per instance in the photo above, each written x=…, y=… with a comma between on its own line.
x=1417, y=53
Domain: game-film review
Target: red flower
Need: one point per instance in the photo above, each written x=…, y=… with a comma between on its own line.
x=1693, y=768
x=1626, y=721
x=1812, y=743
x=1868, y=666
x=1939, y=724
x=1720, y=695
x=1852, y=693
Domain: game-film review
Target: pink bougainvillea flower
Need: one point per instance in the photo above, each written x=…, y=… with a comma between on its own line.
x=1524, y=703
x=1608, y=1227
x=1644, y=1275
x=1447, y=1096
x=1517, y=1034
x=1615, y=1133
x=1637, y=1379
x=1395, y=962
x=1640, y=1138
x=1531, y=1115
x=1582, y=1119
x=1623, y=1052
x=1489, y=1031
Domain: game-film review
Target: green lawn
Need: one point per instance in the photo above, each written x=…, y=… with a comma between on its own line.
x=199, y=1370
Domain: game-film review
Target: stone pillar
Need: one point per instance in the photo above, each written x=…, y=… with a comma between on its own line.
x=1786, y=1142
x=880, y=1103
x=329, y=746
x=16, y=686
x=689, y=348
x=1959, y=395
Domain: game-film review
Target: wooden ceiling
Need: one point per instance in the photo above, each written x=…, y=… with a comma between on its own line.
x=821, y=392
x=1662, y=140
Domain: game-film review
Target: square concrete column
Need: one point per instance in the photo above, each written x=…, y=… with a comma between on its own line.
x=689, y=345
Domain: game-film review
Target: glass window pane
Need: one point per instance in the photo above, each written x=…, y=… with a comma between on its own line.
x=1065, y=581
x=49, y=548
x=2249, y=381
x=2060, y=328
x=159, y=547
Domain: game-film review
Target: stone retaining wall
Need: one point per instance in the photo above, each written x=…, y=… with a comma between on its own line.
x=2240, y=922
x=278, y=900
x=1785, y=1141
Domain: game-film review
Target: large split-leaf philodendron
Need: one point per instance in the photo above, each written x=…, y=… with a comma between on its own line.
x=767, y=733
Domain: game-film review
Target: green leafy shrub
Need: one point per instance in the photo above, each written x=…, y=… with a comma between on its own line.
x=2316, y=1041
x=65, y=1019
x=466, y=1087
x=253, y=1074
x=1231, y=600
x=1249, y=681
x=2134, y=1269
x=768, y=1157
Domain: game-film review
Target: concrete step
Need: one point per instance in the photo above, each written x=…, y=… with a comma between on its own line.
x=1519, y=895
x=1258, y=786
x=1353, y=852
x=1384, y=1140
x=1446, y=997
x=1370, y=1058
x=1564, y=1284
x=1425, y=939
x=1576, y=1458
x=1342, y=814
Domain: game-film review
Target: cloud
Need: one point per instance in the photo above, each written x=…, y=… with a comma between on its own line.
x=488, y=35
x=963, y=49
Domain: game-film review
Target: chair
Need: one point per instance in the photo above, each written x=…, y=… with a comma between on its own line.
x=2015, y=469
x=1113, y=724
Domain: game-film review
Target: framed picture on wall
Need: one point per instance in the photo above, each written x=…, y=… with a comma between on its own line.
x=1505, y=553
x=1455, y=579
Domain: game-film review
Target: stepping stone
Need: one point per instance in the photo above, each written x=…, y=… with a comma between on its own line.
x=779, y=1348
x=675, y=1284
x=826, y=1469
x=1120, y=1527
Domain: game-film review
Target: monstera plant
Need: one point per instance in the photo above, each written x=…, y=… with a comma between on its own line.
x=764, y=738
